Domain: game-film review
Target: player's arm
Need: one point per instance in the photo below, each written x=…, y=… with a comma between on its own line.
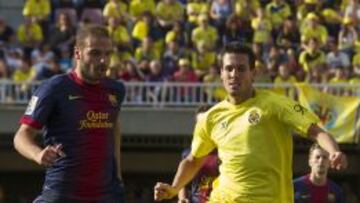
x=187, y=169
x=326, y=141
x=182, y=196
x=117, y=135
x=25, y=144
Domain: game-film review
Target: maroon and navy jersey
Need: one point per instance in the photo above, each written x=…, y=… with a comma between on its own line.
x=307, y=192
x=201, y=185
x=82, y=118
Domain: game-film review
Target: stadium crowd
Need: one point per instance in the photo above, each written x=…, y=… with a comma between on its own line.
x=315, y=41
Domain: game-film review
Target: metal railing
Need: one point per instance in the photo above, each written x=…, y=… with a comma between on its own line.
x=168, y=94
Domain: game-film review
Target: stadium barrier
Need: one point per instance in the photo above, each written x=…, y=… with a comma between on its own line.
x=171, y=94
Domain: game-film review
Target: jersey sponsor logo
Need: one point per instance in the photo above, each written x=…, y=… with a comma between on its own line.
x=32, y=105
x=112, y=99
x=96, y=120
x=300, y=109
x=74, y=97
x=254, y=117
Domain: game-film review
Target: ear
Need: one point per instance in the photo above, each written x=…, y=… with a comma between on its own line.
x=77, y=54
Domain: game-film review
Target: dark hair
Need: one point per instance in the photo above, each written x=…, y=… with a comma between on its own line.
x=88, y=30
x=237, y=47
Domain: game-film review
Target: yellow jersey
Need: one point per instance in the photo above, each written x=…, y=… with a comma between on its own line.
x=255, y=146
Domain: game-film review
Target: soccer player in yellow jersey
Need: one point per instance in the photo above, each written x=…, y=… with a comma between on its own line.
x=251, y=130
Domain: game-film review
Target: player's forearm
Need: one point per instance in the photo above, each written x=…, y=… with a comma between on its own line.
x=327, y=142
x=187, y=169
x=25, y=144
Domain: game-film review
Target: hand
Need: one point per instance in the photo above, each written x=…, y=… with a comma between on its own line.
x=164, y=191
x=183, y=200
x=338, y=161
x=49, y=155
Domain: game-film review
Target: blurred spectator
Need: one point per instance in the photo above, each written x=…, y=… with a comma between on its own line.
x=147, y=50
x=144, y=68
x=119, y=34
x=311, y=28
x=13, y=59
x=347, y=37
x=138, y=7
x=278, y=11
x=220, y=10
x=156, y=72
x=262, y=74
x=194, y=8
x=316, y=75
x=185, y=73
x=177, y=34
x=262, y=28
x=7, y=35
x=308, y=6
x=48, y=70
x=41, y=55
x=62, y=35
x=29, y=35
x=311, y=56
x=237, y=30
x=352, y=10
x=284, y=77
x=171, y=57
x=341, y=75
x=289, y=35
x=202, y=58
x=169, y=12
x=38, y=9
x=65, y=61
x=116, y=9
x=292, y=62
x=130, y=73
x=25, y=72
x=204, y=32
x=335, y=58
x=146, y=26
x=246, y=9
x=332, y=21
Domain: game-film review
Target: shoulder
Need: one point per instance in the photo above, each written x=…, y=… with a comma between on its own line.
x=54, y=84
x=299, y=183
x=114, y=85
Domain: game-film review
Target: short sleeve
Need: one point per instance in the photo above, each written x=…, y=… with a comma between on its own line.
x=40, y=106
x=297, y=117
x=202, y=144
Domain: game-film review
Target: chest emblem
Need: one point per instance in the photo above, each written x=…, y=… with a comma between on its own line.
x=112, y=99
x=254, y=117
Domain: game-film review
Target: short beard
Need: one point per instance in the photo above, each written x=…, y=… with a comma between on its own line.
x=86, y=76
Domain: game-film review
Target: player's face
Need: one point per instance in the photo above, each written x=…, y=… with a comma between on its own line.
x=319, y=162
x=236, y=74
x=94, y=58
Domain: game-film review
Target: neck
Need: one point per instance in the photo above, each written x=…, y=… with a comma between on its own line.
x=318, y=180
x=238, y=99
x=81, y=77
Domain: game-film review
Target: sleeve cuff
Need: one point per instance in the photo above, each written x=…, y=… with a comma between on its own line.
x=31, y=122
